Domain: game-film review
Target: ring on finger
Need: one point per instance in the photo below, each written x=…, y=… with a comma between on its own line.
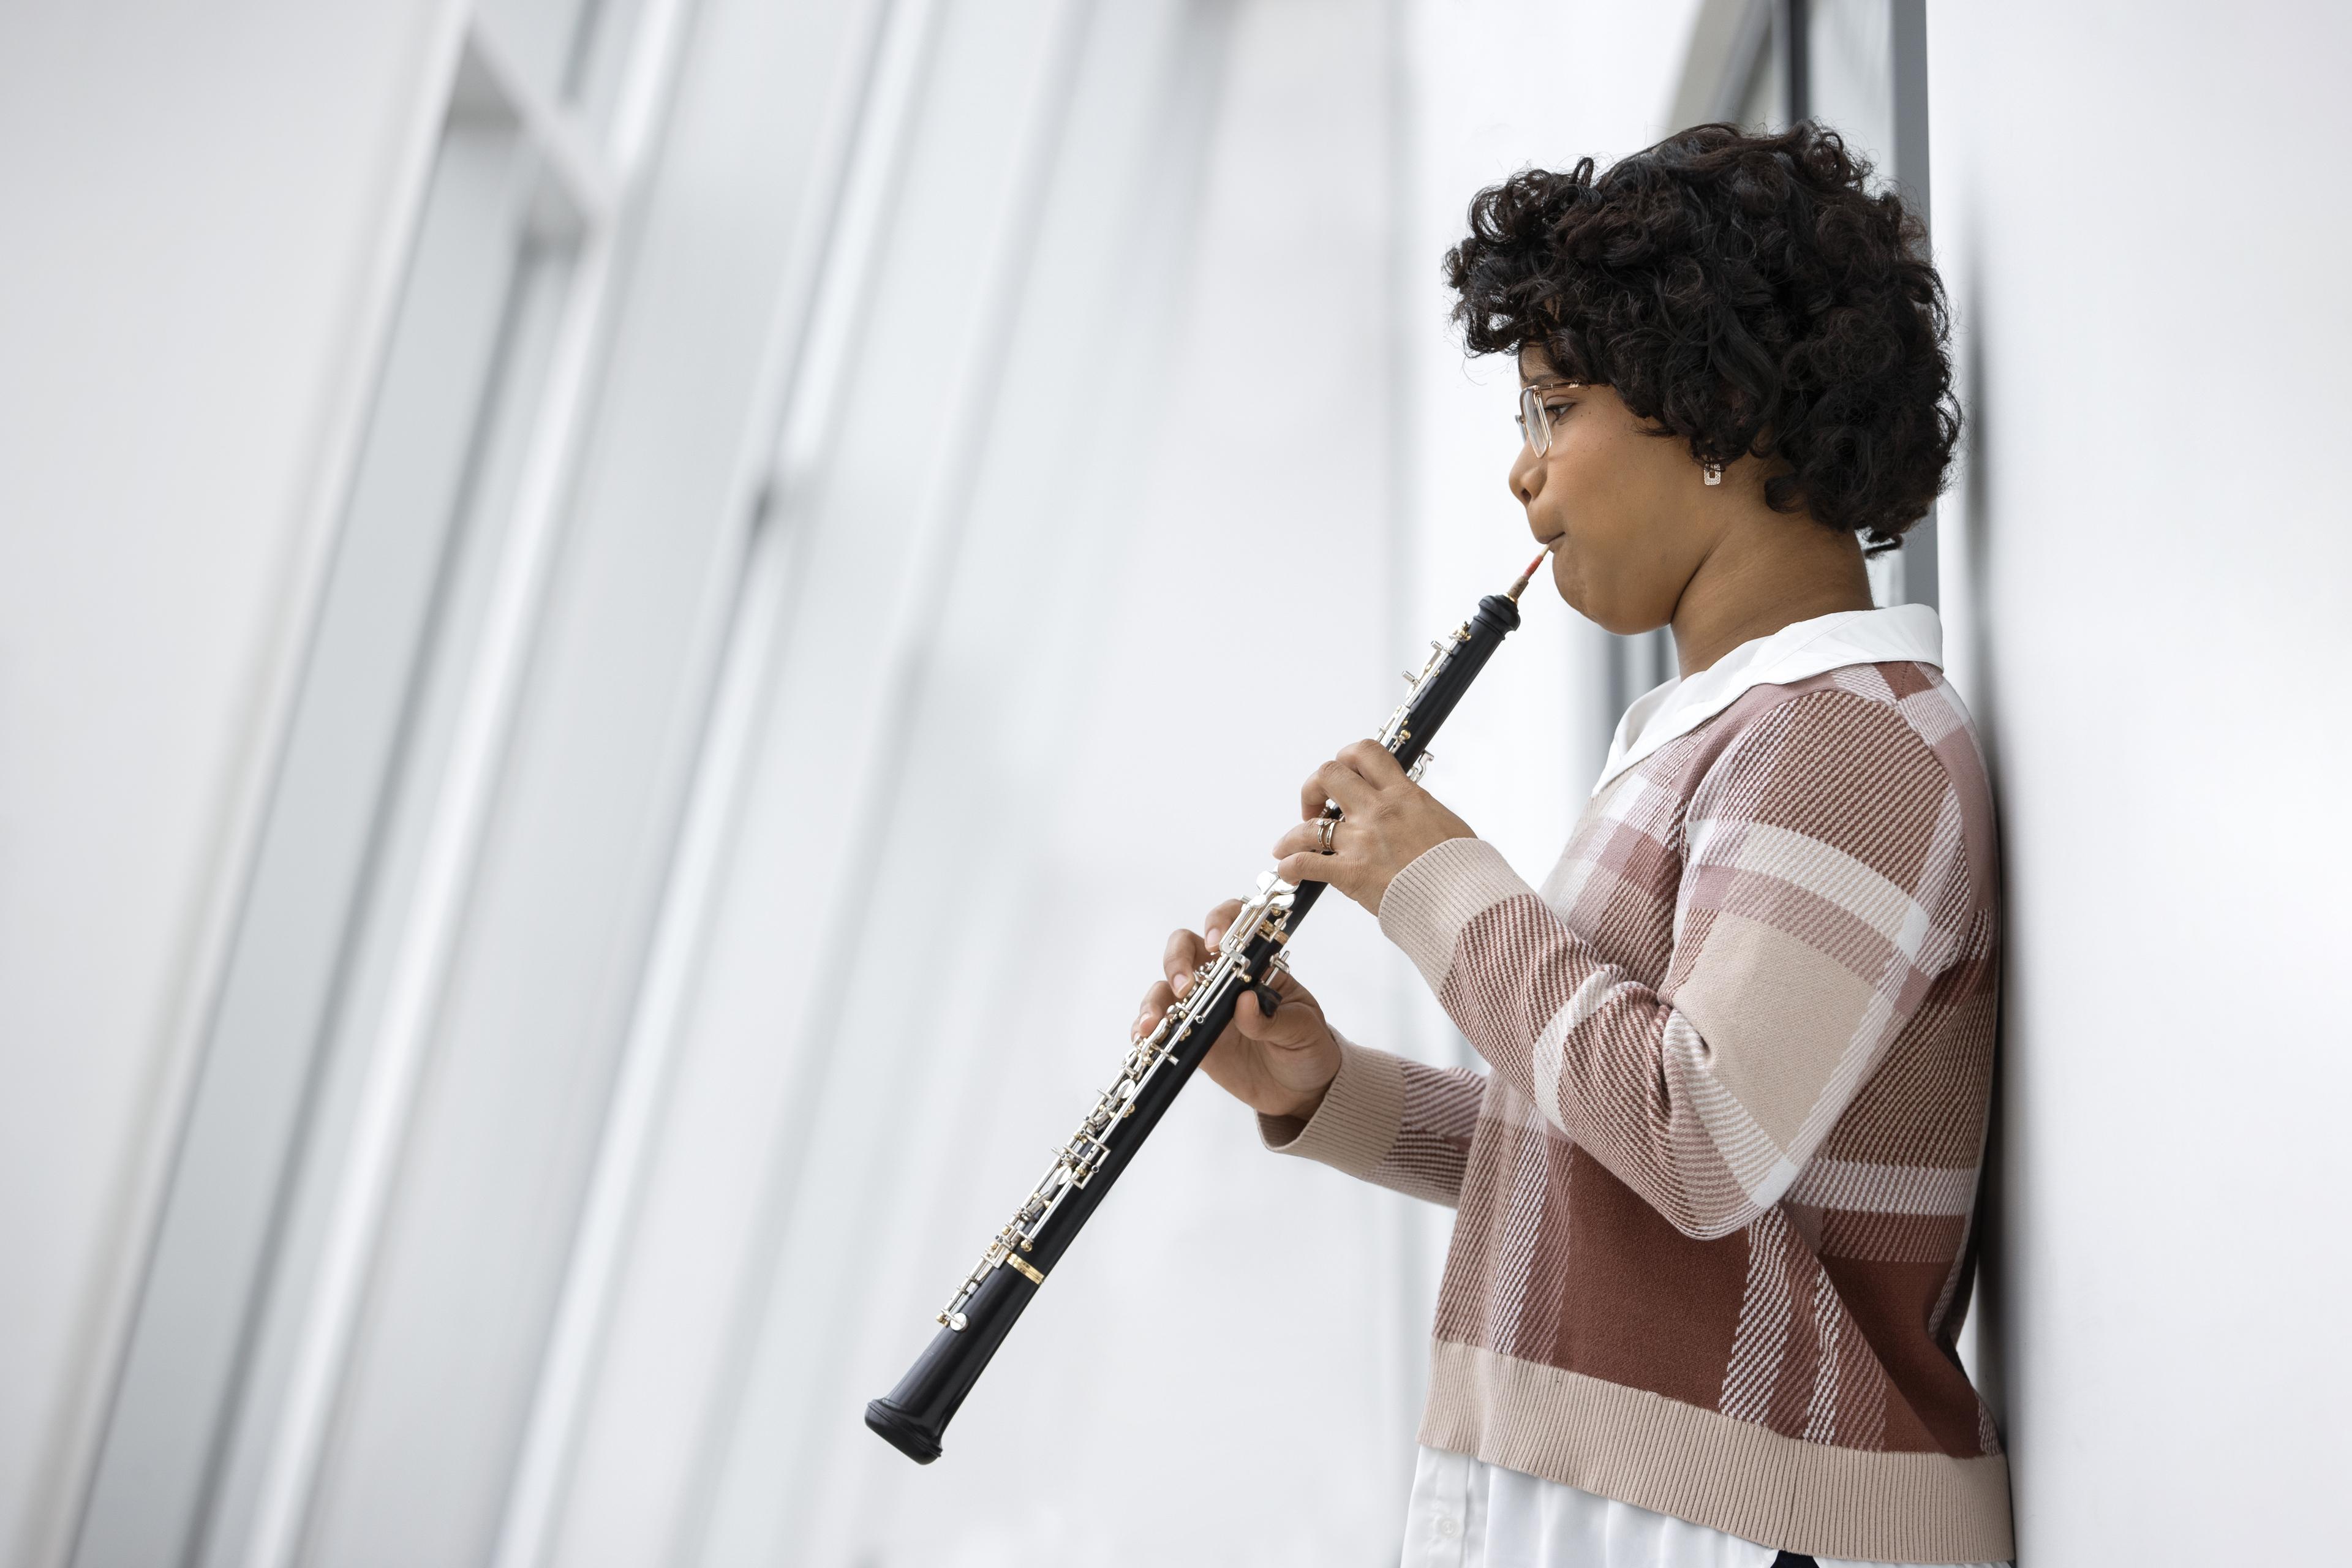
x=1324, y=828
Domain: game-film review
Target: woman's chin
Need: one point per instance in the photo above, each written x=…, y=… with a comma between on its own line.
x=1569, y=584
x=1610, y=617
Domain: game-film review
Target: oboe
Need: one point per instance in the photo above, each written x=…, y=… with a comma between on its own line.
x=985, y=1305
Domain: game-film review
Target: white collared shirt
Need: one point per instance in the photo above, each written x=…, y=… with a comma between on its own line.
x=1900, y=633
x=1466, y=1513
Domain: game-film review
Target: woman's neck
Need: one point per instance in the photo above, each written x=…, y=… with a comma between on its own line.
x=1765, y=574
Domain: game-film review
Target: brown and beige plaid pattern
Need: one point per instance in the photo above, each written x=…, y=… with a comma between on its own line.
x=1715, y=1196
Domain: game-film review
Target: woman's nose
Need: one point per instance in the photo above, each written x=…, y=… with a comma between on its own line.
x=1526, y=477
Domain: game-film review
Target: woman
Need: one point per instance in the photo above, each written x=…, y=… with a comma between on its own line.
x=1715, y=1193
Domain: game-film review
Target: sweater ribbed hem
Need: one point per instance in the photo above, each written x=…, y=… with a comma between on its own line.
x=1708, y=1469
x=1355, y=1125
x=1428, y=903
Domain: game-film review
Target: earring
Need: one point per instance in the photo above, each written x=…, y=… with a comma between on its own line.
x=1713, y=473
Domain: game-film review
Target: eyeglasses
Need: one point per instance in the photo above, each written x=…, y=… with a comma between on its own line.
x=1536, y=419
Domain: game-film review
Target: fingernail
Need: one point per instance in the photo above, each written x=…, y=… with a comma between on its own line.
x=1182, y=983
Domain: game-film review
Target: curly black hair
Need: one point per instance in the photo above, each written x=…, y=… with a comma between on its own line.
x=1750, y=294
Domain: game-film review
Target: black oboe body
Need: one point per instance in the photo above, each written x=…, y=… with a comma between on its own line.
x=985, y=1307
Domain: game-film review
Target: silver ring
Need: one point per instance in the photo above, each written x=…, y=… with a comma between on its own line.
x=1325, y=826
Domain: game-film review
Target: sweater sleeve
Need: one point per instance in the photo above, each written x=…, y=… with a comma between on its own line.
x=1823, y=884
x=1394, y=1122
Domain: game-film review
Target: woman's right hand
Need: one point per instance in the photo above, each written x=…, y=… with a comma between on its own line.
x=1278, y=1065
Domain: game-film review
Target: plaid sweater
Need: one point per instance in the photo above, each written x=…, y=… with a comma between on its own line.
x=1715, y=1196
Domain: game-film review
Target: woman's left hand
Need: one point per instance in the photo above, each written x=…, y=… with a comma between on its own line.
x=1387, y=821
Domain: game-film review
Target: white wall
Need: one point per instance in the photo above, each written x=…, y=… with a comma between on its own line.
x=204, y=210
x=2148, y=587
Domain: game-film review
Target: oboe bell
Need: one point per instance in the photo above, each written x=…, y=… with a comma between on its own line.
x=914, y=1414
